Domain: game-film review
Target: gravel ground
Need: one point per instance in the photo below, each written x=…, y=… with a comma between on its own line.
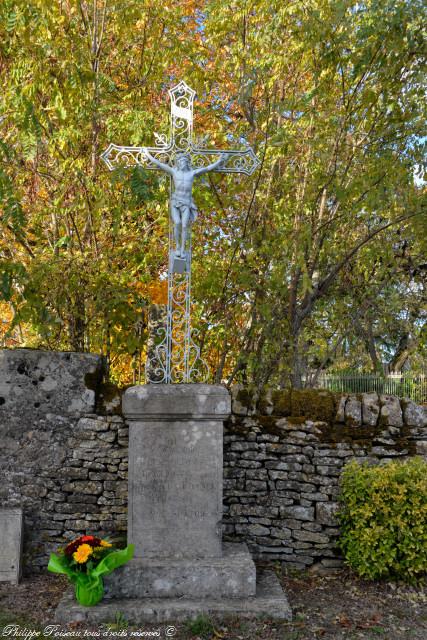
x=333, y=607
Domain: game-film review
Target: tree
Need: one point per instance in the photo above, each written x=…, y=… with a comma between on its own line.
x=330, y=94
x=339, y=118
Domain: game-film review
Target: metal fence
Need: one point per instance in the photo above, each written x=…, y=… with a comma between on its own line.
x=412, y=386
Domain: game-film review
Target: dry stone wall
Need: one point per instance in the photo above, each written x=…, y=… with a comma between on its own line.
x=283, y=455
x=65, y=465
x=64, y=451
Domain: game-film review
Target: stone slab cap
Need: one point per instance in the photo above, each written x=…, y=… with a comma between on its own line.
x=176, y=401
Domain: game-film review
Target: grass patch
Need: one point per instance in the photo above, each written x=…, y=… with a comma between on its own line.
x=7, y=617
x=201, y=626
x=120, y=623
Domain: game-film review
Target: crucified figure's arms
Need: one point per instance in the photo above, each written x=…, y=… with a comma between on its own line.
x=211, y=167
x=161, y=165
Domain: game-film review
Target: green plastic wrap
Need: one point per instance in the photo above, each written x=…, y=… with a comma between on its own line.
x=89, y=587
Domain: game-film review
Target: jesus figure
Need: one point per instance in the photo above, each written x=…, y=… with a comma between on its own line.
x=183, y=207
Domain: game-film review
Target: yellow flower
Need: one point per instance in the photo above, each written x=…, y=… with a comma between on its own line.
x=104, y=543
x=83, y=552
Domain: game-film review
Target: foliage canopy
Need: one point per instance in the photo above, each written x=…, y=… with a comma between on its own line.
x=318, y=259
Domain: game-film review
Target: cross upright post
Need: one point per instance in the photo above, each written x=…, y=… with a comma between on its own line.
x=176, y=357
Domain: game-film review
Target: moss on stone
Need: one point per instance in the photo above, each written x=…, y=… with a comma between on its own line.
x=264, y=404
x=246, y=397
x=314, y=404
x=93, y=379
x=281, y=399
x=107, y=393
x=297, y=419
x=338, y=432
x=269, y=425
x=406, y=441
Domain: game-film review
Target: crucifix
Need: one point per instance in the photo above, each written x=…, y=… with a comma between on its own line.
x=176, y=357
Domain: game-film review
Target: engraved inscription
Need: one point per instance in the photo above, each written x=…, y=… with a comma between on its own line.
x=175, y=487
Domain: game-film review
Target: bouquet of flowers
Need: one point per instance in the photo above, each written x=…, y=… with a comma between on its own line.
x=85, y=560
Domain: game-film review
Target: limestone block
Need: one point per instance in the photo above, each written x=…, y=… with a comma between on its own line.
x=326, y=513
x=340, y=416
x=310, y=536
x=35, y=384
x=269, y=601
x=298, y=512
x=242, y=401
x=353, y=412
x=370, y=409
x=11, y=534
x=232, y=575
x=183, y=400
x=391, y=412
x=175, y=469
x=413, y=414
x=421, y=447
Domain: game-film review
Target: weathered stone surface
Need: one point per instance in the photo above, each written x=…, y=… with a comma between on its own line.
x=340, y=415
x=370, y=409
x=413, y=414
x=391, y=412
x=11, y=534
x=353, y=411
x=183, y=400
x=49, y=447
x=242, y=400
x=35, y=383
x=269, y=601
x=298, y=512
x=175, y=504
x=232, y=575
x=175, y=469
x=326, y=513
x=310, y=536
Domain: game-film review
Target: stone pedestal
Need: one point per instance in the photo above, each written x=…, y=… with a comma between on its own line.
x=175, y=469
x=180, y=568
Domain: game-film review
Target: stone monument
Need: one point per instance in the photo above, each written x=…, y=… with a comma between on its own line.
x=181, y=567
x=11, y=526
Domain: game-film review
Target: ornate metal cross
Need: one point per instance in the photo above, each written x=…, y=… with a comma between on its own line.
x=176, y=357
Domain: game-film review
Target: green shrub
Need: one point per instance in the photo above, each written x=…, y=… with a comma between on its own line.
x=383, y=518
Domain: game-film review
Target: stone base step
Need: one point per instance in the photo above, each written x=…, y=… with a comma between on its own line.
x=270, y=601
x=233, y=575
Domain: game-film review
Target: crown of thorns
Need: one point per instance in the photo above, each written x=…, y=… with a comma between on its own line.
x=183, y=155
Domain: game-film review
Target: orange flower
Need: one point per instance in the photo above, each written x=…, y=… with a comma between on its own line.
x=104, y=543
x=82, y=553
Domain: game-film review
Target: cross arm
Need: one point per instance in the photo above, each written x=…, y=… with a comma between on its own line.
x=234, y=161
x=120, y=156
x=211, y=167
x=158, y=163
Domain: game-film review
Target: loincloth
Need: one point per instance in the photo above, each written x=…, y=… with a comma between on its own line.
x=180, y=205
